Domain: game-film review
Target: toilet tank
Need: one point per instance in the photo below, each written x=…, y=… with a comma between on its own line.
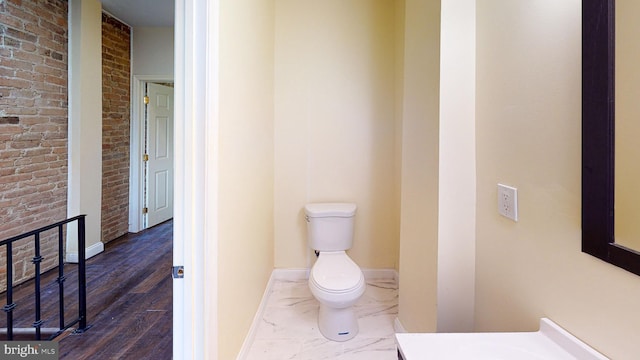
x=330, y=225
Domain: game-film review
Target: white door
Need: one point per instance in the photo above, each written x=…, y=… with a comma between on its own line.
x=159, y=167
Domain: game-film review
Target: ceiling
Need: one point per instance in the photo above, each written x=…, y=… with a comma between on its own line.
x=147, y=13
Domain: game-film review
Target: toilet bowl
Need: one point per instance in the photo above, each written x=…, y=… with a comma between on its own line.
x=337, y=283
x=335, y=280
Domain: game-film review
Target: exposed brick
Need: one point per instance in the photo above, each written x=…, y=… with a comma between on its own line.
x=36, y=152
x=53, y=111
x=28, y=47
x=48, y=87
x=22, y=11
x=9, y=42
x=57, y=56
x=24, y=144
x=43, y=69
x=28, y=57
x=9, y=120
x=10, y=62
x=33, y=131
x=52, y=47
x=115, y=138
x=20, y=35
x=44, y=127
x=36, y=168
x=44, y=11
x=54, y=144
x=10, y=21
x=10, y=153
x=54, y=28
x=25, y=102
x=13, y=82
x=22, y=111
x=16, y=193
x=23, y=93
x=27, y=136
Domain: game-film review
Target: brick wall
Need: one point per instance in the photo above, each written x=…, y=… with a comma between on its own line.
x=115, y=127
x=33, y=126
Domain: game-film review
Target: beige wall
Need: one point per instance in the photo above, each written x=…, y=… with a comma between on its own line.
x=152, y=51
x=336, y=82
x=85, y=123
x=627, y=197
x=419, y=195
x=245, y=166
x=528, y=135
x=335, y=124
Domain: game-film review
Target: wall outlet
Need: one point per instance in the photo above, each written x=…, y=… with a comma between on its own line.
x=508, y=201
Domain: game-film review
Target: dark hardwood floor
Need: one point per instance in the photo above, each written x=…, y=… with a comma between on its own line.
x=129, y=300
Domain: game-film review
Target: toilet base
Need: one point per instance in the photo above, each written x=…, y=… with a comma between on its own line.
x=337, y=324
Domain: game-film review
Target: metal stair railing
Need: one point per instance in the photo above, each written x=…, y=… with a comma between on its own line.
x=10, y=306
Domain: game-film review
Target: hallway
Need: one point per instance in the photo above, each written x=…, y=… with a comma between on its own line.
x=129, y=300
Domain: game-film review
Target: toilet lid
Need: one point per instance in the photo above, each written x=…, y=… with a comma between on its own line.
x=336, y=272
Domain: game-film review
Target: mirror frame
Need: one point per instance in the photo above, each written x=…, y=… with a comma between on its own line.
x=598, y=136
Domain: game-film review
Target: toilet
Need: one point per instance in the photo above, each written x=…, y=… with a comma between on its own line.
x=335, y=280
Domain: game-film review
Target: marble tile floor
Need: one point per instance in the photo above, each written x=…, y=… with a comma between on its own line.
x=289, y=327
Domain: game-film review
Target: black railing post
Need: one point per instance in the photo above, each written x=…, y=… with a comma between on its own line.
x=61, y=276
x=37, y=259
x=8, y=308
x=82, y=275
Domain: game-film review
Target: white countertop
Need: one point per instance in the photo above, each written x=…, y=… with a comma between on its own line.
x=550, y=342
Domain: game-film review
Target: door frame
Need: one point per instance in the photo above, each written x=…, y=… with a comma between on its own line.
x=195, y=216
x=136, y=168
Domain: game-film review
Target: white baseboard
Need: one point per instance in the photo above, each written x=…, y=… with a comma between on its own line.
x=251, y=335
x=91, y=251
x=383, y=274
x=290, y=274
x=397, y=326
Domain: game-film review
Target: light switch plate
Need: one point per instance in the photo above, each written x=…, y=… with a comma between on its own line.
x=508, y=201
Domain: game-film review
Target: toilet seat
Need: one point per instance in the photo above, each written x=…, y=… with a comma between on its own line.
x=335, y=273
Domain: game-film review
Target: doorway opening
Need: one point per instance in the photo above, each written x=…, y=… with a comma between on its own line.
x=152, y=152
